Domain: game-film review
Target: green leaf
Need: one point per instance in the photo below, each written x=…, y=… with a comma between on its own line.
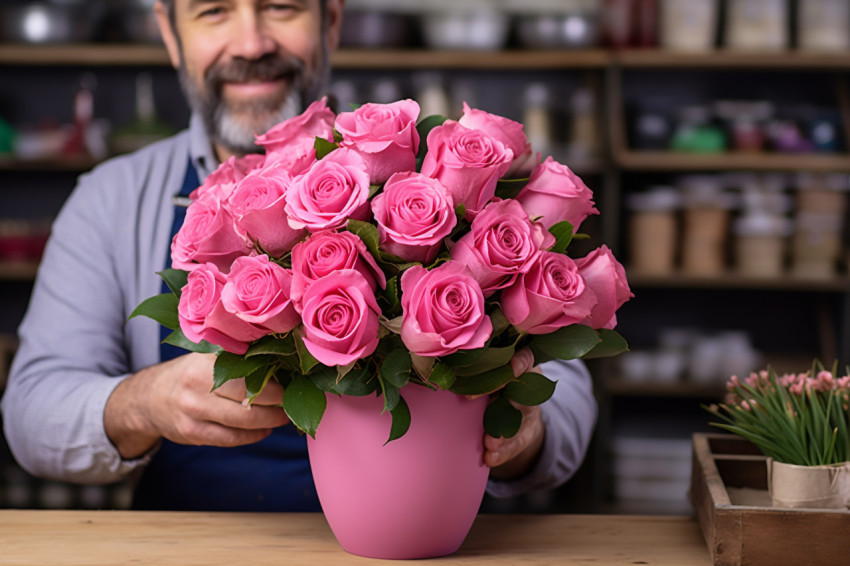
x=230, y=366
x=510, y=188
x=175, y=279
x=612, y=344
x=424, y=127
x=391, y=395
x=486, y=382
x=273, y=345
x=566, y=343
x=494, y=358
x=177, y=338
x=256, y=382
x=563, y=232
x=391, y=294
x=442, y=376
x=161, y=308
x=304, y=404
x=501, y=419
x=400, y=420
x=499, y=321
x=395, y=369
x=323, y=147
x=306, y=359
x=366, y=232
x=359, y=382
x=529, y=389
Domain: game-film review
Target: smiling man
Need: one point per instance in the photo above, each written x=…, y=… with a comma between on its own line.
x=93, y=398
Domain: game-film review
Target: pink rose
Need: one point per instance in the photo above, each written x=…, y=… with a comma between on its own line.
x=257, y=291
x=384, y=135
x=507, y=131
x=209, y=235
x=227, y=174
x=325, y=253
x=443, y=310
x=468, y=162
x=607, y=277
x=414, y=214
x=502, y=244
x=551, y=295
x=329, y=193
x=340, y=318
x=293, y=141
x=258, y=205
x=203, y=317
x=554, y=194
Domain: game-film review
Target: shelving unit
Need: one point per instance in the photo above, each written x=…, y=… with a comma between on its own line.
x=606, y=69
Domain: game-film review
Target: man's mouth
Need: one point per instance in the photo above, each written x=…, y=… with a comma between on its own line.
x=254, y=87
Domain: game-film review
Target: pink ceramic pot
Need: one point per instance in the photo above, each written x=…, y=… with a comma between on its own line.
x=415, y=497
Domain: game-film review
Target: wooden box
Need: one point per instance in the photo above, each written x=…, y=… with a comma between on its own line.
x=729, y=493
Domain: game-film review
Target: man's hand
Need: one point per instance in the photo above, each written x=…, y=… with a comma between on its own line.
x=512, y=457
x=174, y=400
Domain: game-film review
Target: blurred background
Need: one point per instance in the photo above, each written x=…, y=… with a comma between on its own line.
x=713, y=133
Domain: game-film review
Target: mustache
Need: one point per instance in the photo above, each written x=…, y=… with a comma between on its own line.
x=268, y=67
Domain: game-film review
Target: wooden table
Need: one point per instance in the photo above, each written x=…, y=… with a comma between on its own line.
x=94, y=538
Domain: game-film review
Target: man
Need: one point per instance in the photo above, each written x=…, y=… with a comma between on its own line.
x=93, y=398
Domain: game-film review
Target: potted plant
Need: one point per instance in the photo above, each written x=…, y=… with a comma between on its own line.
x=801, y=422
x=385, y=267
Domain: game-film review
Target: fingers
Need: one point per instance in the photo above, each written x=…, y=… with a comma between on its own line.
x=511, y=457
x=272, y=393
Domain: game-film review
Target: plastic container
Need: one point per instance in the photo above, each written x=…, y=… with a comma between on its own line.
x=819, y=225
x=823, y=25
x=688, y=25
x=705, y=226
x=757, y=25
x=653, y=231
x=760, y=244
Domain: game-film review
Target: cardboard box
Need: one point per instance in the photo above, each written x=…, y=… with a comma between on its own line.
x=741, y=527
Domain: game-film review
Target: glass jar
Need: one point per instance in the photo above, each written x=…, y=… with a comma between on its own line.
x=823, y=25
x=688, y=25
x=757, y=24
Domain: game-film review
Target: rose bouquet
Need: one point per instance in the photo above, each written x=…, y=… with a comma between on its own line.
x=372, y=250
x=801, y=419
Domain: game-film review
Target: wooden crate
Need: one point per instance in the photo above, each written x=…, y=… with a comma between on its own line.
x=733, y=508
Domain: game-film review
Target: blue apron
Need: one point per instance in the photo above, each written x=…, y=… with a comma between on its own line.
x=270, y=475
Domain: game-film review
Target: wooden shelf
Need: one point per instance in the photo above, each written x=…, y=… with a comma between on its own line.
x=112, y=54
x=155, y=55
x=838, y=284
x=674, y=161
x=726, y=59
x=84, y=54
x=18, y=270
x=483, y=60
x=71, y=164
x=625, y=388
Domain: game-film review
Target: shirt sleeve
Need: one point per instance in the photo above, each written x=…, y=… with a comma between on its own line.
x=569, y=418
x=73, y=344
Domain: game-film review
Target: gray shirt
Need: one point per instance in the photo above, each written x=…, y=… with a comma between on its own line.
x=76, y=344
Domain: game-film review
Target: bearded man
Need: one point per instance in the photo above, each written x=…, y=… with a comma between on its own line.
x=93, y=398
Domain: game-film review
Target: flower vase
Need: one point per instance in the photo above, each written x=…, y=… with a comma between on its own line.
x=413, y=497
x=815, y=487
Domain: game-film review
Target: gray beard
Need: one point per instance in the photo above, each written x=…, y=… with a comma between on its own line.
x=235, y=127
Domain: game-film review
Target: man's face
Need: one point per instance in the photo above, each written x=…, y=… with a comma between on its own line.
x=245, y=65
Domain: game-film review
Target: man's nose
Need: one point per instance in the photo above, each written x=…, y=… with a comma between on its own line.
x=252, y=40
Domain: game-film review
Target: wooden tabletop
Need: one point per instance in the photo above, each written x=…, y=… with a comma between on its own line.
x=94, y=538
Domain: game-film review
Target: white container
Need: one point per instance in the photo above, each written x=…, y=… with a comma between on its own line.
x=823, y=25
x=757, y=25
x=688, y=25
